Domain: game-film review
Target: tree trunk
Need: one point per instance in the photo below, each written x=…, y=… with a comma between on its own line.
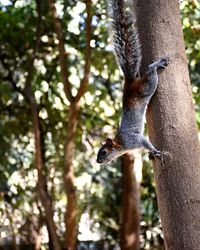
x=42, y=183
x=171, y=124
x=71, y=210
x=29, y=96
x=130, y=212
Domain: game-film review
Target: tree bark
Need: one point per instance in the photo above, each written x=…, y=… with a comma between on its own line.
x=45, y=198
x=42, y=182
x=71, y=210
x=130, y=205
x=29, y=96
x=74, y=108
x=171, y=124
x=62, y=52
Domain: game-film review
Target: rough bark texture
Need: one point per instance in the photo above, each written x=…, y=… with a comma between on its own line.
x=130, y=209
x=171, y=125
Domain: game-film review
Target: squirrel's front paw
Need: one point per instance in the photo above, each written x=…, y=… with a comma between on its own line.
x=153, y=154
x=163, y=62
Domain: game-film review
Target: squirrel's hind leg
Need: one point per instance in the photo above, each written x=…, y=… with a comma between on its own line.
x=149, y=88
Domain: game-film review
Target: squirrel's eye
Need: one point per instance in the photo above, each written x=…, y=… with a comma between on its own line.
x=104, y=152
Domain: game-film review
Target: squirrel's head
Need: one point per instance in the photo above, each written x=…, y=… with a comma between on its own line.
x=109, y=151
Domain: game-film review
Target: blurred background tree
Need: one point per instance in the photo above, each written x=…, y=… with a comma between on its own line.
x=26, y=60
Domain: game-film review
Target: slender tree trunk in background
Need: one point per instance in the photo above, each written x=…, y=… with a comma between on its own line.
x=74, y=108
x=130, y=213
x=42, y=182
x=171, y=124
x=44, y=196
x=28, y=94
x=71, y=212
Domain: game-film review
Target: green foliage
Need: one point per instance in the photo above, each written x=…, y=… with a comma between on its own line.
x=99, y=189
x=105, y=201
x=190, y=11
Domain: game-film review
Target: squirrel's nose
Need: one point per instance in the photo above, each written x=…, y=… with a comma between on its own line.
x=99, y=161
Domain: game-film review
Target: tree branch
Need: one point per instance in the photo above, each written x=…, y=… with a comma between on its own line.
x=62, y=52
x=88, y=51
x=27, y=88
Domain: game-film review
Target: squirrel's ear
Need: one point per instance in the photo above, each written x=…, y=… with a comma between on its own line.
x=109, y=142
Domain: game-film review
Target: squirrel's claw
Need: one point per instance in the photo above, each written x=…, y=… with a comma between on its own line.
x=163, y=62
x=153, y=155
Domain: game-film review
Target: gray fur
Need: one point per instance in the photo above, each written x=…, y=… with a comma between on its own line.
x=128, y=54
x=131, y=128
x=132, y=123
x=125, y=38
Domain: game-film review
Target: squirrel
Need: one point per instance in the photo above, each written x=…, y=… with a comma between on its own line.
x=137, y=92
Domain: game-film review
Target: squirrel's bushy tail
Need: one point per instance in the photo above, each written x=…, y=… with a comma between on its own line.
x=125, y=38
